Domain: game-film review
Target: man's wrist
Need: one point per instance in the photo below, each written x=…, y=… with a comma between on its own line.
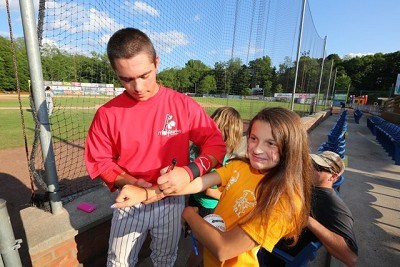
x=201, y=165
x=193, y=170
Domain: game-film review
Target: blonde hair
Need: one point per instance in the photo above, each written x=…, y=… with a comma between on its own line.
x=292, y=177
x=230, y=124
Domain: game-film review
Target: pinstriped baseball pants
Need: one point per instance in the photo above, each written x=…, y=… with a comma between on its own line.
x=129, y=228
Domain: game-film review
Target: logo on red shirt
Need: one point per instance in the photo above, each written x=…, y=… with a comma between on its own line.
x=169, y=127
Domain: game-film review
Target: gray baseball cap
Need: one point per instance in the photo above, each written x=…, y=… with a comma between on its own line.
x=329, y=159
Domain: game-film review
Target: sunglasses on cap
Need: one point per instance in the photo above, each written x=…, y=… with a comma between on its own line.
x=319, y=168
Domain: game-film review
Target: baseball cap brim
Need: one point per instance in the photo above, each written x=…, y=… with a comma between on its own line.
x=320, y=161
x=330, y=160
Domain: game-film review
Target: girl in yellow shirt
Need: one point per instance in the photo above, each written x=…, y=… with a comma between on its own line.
x=265, y=196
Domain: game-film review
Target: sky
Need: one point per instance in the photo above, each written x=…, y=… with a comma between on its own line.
x=358, y=27
x=352, y=27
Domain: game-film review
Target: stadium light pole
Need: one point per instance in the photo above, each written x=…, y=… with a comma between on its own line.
x=298, y=52
x=35, y=70
x=329, y=83
x=333, y=86
x=348, y=91
x=322, y=71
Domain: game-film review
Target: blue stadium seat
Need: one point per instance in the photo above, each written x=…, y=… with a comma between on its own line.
x=336, y=185
x=388, y=135
x=357, y=115
x=307, y=254
x=373, y=122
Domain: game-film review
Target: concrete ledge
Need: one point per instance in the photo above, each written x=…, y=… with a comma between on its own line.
x=44, y=230
x=312, y=121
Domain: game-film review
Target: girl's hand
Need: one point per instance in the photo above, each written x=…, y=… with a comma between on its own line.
x=130, y=195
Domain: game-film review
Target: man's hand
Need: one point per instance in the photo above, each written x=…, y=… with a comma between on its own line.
x=173, y=181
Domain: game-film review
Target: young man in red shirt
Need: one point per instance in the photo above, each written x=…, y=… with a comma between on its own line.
x=136, y=135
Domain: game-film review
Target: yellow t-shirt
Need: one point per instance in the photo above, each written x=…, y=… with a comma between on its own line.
x=238, y=199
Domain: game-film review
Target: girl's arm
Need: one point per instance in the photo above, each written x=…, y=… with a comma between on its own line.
x=131, y=195
x=223, y=245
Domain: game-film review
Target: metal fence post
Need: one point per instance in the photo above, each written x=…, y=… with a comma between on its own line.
x=35, y=70
x=8, y=245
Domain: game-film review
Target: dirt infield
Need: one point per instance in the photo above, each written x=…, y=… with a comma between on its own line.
x=15, y=185
x=12, y=95
x=13, y=167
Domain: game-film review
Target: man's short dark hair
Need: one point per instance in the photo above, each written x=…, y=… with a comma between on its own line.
x=127, y=43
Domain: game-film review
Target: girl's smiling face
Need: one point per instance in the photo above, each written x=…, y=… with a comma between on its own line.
x=262, y=148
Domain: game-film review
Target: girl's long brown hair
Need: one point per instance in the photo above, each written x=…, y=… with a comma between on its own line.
x=292, y=176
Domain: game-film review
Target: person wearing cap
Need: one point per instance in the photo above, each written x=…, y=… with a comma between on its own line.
x=331, y=221
x=49, y=95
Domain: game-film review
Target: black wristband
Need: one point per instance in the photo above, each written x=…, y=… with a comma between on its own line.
x=194, y=169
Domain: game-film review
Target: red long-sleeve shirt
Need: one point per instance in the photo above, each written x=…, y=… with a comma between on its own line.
x=142, y=137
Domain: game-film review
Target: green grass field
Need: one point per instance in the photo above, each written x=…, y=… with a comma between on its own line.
x=11, y=134
x=72, y=115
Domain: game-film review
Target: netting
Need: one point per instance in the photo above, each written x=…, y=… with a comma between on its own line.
x=222, y=53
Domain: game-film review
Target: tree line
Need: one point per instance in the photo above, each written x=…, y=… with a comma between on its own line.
x=374, y=75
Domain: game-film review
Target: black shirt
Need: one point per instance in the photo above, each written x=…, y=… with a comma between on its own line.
x=330, y=211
